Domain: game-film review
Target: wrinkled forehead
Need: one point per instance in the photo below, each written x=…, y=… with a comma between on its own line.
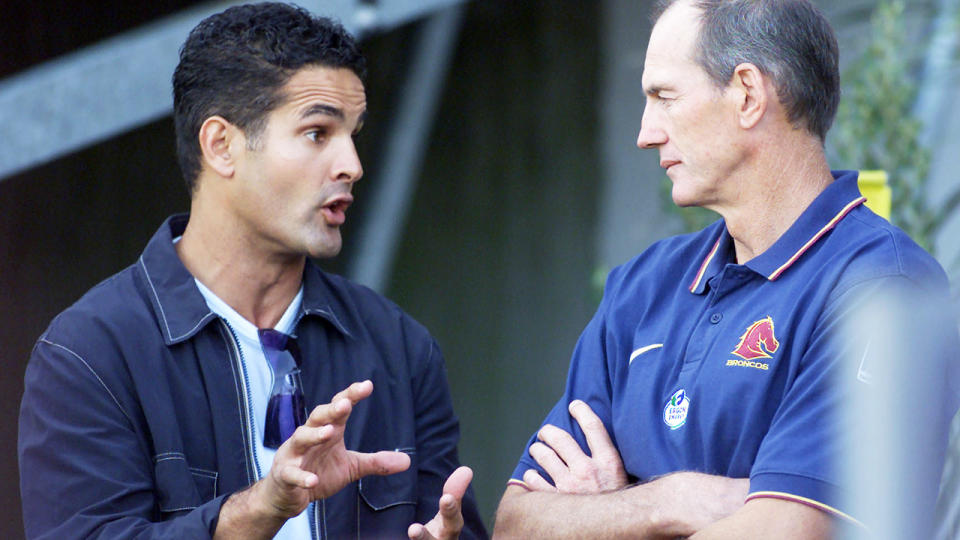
x=676, y=31
x=336, y=87
x=672, y=42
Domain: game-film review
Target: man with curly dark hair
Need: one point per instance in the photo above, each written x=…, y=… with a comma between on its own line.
x=224, y=386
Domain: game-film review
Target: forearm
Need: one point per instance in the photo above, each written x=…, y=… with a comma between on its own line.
x=678, y=504
x=628, y=513
x=244, y=516
x=771, y=518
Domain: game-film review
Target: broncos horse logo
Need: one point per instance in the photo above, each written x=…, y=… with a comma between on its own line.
x=758, y=341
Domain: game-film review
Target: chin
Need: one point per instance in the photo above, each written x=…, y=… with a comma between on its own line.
x=683, y=201
x=325, y=248
x=683, y=196
x=325, y=252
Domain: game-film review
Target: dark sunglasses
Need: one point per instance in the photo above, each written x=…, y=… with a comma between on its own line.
x=285, y=410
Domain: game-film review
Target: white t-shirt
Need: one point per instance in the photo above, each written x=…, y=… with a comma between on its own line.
x=260, y=378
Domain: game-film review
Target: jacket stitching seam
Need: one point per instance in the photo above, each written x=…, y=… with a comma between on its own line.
x=204, y=472
x=155, y=295
x=360, y=494
x=94, y=373
x=331, y=317
x=188, y=332
x=180, y=509
x=196, y=471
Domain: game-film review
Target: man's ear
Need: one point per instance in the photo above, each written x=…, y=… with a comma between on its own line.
x=217, y=138
x=752, y=93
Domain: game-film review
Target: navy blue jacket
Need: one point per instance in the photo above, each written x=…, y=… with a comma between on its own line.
x=133, y=421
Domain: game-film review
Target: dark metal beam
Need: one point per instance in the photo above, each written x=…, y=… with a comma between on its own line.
x=406, y=145
x=123, y=82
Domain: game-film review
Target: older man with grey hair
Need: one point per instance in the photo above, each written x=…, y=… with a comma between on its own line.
x=703, y=398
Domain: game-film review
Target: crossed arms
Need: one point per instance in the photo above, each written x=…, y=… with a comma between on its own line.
x=591, y=497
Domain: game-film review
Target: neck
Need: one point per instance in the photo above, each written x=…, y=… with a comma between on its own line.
x=220, y=253
x=775, y=189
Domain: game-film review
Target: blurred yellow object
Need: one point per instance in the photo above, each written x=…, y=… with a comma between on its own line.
x=873, y=186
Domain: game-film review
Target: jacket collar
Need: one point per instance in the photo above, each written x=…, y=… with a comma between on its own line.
x=178, y=305
x=823, y=214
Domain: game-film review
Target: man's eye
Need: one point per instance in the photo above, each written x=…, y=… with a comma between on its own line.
x=317, y=135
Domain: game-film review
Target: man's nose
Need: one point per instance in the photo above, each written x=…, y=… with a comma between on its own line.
x=348, y=167
x=651, y=134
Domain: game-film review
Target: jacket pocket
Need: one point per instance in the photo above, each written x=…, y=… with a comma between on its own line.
x=179, y=486
x=383, y=492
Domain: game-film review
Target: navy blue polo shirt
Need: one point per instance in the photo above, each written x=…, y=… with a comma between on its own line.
x=695, y=362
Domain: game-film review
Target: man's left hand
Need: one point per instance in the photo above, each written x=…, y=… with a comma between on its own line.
x=448, y=522
x=571, y=469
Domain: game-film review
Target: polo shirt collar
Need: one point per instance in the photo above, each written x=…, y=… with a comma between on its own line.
x=179, y=306
x=823, y=214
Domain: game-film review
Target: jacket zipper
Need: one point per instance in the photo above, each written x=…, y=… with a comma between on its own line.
x=249, y=430
x=313, y=509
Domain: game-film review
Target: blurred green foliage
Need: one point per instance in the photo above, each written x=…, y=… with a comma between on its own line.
x=875, y=127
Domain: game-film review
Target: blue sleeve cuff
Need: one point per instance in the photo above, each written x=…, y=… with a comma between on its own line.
x=804, y=490
x=526, y=463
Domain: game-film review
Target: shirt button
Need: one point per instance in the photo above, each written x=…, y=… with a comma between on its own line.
x=716, y=317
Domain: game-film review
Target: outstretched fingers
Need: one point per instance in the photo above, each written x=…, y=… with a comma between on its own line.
x=448, y=522
x=457, y=483
x=355, y=392
x=340, y=406
x=380, y=463
x=417, y=531
x=294, y=476
x=307, y=437
x=450, y=513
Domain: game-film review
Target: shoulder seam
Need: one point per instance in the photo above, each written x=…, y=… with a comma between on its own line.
x=94, y=373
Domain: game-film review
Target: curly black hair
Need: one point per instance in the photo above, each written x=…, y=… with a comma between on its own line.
x=234, y=63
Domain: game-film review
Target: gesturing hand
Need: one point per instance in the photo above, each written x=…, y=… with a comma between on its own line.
x=448, y=522
x=571, y=469
x=314, y=463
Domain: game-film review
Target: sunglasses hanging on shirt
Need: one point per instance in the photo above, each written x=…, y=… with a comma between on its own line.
x=285, y=409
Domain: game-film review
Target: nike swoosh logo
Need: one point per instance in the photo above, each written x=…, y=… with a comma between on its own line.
x=642, y=350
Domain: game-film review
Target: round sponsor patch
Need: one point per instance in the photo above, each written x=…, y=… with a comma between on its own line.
x=675, y=413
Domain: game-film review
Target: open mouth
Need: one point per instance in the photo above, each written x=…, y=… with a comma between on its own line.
x=335, y=211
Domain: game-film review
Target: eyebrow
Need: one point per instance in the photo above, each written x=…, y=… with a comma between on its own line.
x=330, y=110
x=323, y=109
x=653, y=90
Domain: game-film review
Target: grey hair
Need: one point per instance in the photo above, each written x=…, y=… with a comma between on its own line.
x=788, y=40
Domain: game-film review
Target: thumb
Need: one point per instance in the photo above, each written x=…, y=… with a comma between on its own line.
x=458, y=482
x=419, y=532
x=381, y=463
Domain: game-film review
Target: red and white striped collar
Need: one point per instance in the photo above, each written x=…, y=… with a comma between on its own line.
x=823, y=214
